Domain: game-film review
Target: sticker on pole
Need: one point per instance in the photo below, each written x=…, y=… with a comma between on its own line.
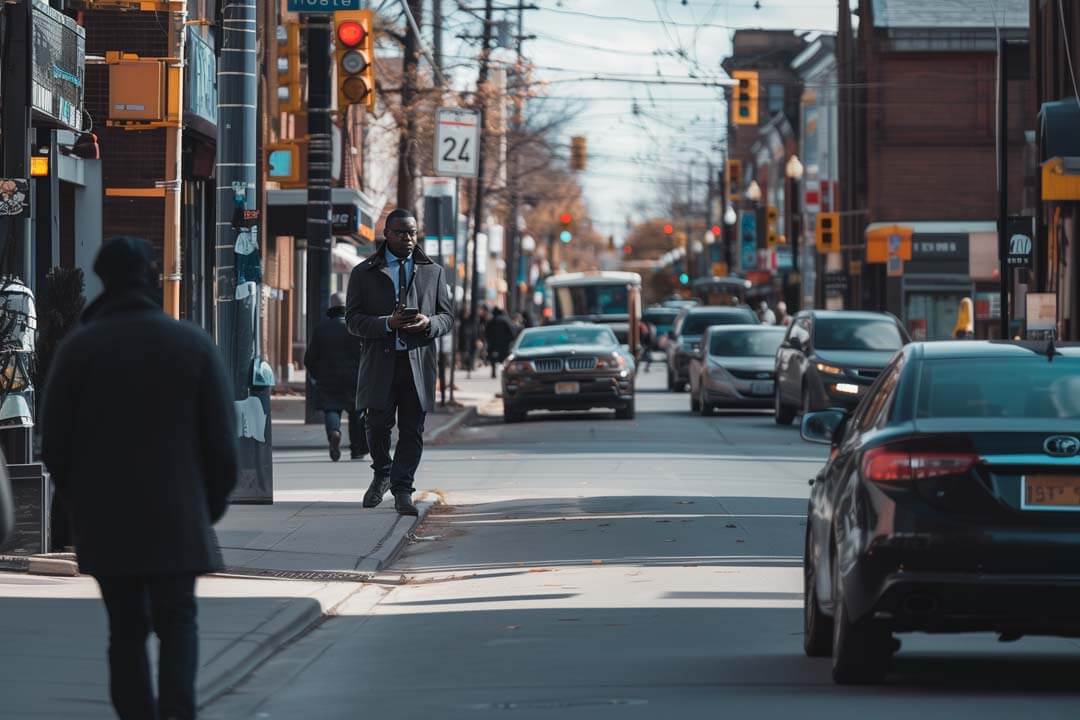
x=457, y=139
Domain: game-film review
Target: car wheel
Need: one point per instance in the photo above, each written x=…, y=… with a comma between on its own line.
x=782, y=413
x=670, y=380
x=512, y=414
x=806, y=401
x=626, y=412
x=861, y=650
x=695, y=403
x=704, y=407
x=817, y=627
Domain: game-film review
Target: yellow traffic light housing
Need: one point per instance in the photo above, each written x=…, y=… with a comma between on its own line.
x=771, y=216
x=578, y=154
x=744, y=98
x=734, y=176
x=354, y=58
x=288, y=68
x=827, y=232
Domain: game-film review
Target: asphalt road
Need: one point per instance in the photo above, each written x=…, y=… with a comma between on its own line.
x=590, y=568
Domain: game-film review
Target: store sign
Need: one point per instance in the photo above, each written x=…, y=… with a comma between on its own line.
x=1041, y=312
x=748, y=240
x=200, y=82
x=1020, y=235
x=322, y=6
x=58, y=60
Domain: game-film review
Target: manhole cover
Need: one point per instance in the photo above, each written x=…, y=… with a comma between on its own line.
x=313, y=575
x=556, y=704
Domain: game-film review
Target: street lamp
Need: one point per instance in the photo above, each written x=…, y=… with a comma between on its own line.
x=729, y=216
x=753, y=192
x=794, y=168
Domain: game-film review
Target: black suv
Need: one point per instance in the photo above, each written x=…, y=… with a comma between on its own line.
x=686, y=336
x=829, y=358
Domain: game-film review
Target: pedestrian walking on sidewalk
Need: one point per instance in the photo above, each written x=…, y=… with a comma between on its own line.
x=139, y=435
x=499, y=334
x=398, y=304
x=333, y=361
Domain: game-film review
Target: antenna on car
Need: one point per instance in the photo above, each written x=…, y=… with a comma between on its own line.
x=1051, y=350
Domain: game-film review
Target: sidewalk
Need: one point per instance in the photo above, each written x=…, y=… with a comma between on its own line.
x=288, y=564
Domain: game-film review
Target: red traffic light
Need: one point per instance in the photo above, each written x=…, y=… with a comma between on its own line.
x=716, y=231
x=351, y=33
x=668, y=228
x=565, y=218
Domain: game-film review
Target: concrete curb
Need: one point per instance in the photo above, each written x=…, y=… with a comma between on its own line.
x=391, y=545
x=469, y=413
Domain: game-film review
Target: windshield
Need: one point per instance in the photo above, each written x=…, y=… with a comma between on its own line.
x=746, y=343
x=585, y=300
x=550, y=337
x=857, y=334
x=1021, y=387
x=697, y=323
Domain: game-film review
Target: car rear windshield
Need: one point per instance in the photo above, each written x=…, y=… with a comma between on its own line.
x=745, y=343
x=856, y=334
x=697, y=323
x=550, y=337
x=1020, y=387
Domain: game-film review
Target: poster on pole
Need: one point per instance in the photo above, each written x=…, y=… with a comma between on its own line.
x=457, y=139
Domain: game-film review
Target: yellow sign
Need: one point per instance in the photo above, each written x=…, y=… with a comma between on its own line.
x=39, y=166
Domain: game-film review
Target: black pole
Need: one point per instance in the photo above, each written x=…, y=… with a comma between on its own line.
x=319, y=150
x=478, y=184
x=439, y=232
x=1003, y=183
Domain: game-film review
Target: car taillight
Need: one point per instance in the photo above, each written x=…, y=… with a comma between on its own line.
x=902, y=465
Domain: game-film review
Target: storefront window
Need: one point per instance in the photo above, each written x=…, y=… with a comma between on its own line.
x=931, y=315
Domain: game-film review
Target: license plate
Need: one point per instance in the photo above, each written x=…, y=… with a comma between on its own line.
x=567, y=388
x=1050, y=492
x=761, y=388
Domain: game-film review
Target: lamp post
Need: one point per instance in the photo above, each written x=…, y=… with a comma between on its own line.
x=794, y=172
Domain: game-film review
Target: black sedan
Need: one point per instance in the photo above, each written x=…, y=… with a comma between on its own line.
x=950, y=503
x=831, y=357
x=568, y=367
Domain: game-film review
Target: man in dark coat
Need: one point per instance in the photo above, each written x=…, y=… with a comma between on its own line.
x=333, y=361
x=139, y=434
x=399, y=304
x=500, y=334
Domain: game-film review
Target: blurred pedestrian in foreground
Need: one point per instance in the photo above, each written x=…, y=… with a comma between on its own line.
x=139, y=436
x=965, y=321
x=499, y=334
x=399, y=304
x=333, y=361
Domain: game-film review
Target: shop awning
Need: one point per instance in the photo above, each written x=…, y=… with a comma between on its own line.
x=353, y=213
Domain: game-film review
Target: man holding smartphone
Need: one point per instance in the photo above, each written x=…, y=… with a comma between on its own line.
x=399, y=304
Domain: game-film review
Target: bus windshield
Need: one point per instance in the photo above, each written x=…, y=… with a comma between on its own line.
x=588, y=300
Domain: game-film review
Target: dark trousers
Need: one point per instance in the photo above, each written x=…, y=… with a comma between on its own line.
x=357, y=431
x=136, y=605
x=405, y=406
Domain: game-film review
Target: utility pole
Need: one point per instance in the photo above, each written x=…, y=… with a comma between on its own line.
x=513, y=234
x=1003, y=184
x=238, y=264
x=407, y=166
x=478, y=184
x=320, y=157
x=436, y=31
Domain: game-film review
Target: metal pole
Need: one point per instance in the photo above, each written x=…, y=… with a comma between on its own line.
x=319, y=150
x=478, y=200
x=439, y=232
x=174, y=150
x=513, y=235
x=1003, y=183
x=436, y=31
x=237, y=333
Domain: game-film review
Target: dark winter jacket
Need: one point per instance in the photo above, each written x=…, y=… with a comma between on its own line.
x=333, y=361
x=499, y=335
x=372, y=301
x=139, y=434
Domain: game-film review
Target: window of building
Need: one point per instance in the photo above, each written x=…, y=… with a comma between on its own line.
x=775, y=99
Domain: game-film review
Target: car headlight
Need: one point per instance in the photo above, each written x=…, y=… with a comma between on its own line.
x=611, y=362
x=518, y=367
x=829, y=369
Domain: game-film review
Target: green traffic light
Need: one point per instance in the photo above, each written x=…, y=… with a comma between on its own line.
x=565, y=236
x=684, y=278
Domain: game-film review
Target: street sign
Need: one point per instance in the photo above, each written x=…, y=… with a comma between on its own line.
x=323, y=6
x=1020, y=232
x=457, y=139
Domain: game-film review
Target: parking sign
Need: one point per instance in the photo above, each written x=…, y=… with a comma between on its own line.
x=457, y=139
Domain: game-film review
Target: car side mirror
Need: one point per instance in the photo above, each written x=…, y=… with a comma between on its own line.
x=824, y=427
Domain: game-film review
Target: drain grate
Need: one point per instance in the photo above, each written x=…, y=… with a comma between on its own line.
x=14, y=563
x=313, y=575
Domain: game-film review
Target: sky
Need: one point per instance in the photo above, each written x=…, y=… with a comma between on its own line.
x=675, y=127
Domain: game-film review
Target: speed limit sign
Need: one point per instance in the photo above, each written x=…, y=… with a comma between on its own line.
x=457, y=140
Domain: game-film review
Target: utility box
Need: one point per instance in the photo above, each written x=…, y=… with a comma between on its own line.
x=136, y=88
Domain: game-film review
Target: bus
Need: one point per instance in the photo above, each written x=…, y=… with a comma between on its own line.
x=608, y=297
x=721, y=290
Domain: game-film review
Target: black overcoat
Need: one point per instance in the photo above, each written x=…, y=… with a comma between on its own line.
x=333, y=361
x=371, y=301
x=139, y=433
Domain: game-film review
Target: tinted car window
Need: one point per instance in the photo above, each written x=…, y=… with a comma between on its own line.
x=857, y=334
x=550, y=337
x=878, y=405
x=1021, y=387
x=697, y=323
x=745, y=343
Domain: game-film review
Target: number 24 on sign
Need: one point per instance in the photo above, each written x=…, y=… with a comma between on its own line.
x=457, y=138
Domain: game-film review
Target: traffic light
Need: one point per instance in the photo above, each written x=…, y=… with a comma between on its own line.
x=716, y=231
x=354, y=55
x=827, y=232
x=772, y=237
x=734, y=178
x=565, y=219
x=288, y=67
x=744, y=98
x=578, y=154
x=669, y=229
x=283, y=160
